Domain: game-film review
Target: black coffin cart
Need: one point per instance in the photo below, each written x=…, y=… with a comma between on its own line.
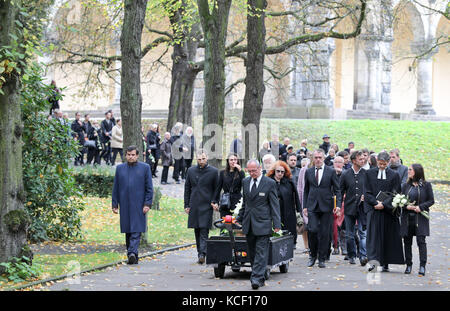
x=231, y=250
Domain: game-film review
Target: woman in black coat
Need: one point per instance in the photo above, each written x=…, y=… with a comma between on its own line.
x=413, y=223
x=230, y=181
x=288, y=197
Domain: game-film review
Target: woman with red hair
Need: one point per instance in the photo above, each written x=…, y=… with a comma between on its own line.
x=287, y=195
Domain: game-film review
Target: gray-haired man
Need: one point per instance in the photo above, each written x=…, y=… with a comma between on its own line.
x=259, y=212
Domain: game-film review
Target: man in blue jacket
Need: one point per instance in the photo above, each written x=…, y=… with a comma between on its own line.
x=133, y=193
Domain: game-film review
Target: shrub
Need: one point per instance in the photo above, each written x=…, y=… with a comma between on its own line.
x=50, y=188
x=99, y=181
x=95, y=181
x=19, y=269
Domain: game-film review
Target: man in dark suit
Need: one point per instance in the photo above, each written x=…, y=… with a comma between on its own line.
x=106, y=125
x=321, y=185
x=259, y=212
x=351, y=185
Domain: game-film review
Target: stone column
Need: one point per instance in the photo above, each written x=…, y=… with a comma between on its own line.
x=367, y=73
x=424, y=103
x=373, y=58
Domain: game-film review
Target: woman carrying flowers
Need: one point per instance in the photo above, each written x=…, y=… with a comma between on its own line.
x=415, y=215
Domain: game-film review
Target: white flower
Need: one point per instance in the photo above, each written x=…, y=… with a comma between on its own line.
x=394, y=204
x=396, y=200
x=404, y=201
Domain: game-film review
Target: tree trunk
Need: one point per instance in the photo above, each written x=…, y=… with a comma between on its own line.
x=13, y=219
x=254, y=81
x=130, y=97
x=184, y=73
x=214, y=26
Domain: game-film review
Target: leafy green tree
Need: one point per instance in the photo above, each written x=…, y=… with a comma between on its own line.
x=52, y=193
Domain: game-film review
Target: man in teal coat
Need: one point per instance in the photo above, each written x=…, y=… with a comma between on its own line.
x=133, y=193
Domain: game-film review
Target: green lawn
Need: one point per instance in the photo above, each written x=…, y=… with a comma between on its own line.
x=166, y=226
x=419, y=141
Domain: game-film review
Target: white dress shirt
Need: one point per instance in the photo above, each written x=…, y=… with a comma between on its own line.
x=257, y=182
x=320, y=173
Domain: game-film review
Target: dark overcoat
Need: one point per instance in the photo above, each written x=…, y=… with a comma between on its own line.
x=289, y=205
x=424, y=200
x=383, y=241
x=132, y=190
x=199, y=189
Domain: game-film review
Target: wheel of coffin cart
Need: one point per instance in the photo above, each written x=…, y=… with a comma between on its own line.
x=219, y=272
x=284, y=268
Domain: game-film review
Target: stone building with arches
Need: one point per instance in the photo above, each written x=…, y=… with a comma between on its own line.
x=393, y=69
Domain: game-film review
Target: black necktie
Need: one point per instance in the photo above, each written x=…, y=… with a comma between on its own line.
x=317, y=174
x=254, y=184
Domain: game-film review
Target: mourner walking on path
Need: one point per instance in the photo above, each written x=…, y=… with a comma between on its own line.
x=260, y=212
x=199, y=189
x=321, y=186
x=132, y=196
x=383, y=243
x=230, y=181
x=287, y=196
x=352, y=194
x=413, y=222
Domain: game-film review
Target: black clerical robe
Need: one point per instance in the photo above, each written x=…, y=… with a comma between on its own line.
x=383, y=242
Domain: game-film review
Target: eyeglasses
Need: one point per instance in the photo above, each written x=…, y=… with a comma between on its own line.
x=278, y=171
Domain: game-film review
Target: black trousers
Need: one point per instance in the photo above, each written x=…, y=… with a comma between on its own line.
x=106, y=153
x=407, y=242
x=258, y=251
x=319, y=226
x=187, y=164
x=114, y=155
x=165, y=174
x=178, y=169
x=201, y=235
x=155, y=164
x=93, y=154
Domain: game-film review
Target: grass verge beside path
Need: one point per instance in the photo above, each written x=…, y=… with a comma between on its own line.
x=103, y=243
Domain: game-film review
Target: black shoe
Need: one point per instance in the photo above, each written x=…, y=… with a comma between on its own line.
x=255, y=285
x=363, y=261
x=311, y=261
x=336, y=251
x=385, y=268
x=352, y=261
x=201, y=259
x=408, y=269
x=346, y=257
x=132, y=259
x=422, y=270
x=322, y=264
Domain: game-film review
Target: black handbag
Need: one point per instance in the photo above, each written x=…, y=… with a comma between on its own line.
x=225, y=198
